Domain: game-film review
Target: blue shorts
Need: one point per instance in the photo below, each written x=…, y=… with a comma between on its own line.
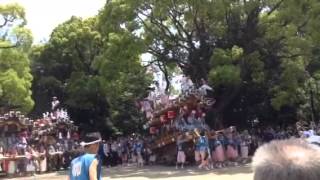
x=203, y=148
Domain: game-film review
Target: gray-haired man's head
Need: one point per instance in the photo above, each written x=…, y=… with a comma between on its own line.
x=293, y=159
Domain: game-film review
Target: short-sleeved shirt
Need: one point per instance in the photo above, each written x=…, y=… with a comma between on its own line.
x=79, y=169
x=180, y=145
x=203, y=143
x=139, y=147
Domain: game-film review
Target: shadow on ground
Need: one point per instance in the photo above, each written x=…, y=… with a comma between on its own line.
x=160, y=172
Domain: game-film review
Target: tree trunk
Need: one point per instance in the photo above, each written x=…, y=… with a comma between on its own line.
x=221, y=106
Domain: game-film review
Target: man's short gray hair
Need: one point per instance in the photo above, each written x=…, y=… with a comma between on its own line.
x=293, y=159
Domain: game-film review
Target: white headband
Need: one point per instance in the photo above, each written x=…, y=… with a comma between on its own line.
x=89, y=143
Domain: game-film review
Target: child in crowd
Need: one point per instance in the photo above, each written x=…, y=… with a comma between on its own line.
x=197, y=157
x=244, y=145
x=218, y=151
x=30, y=160
x=212, y=140
x=139, y=150
x=232, y=151
x=203, y=147
x=181, y=156
x=153, y=158
x=125, y=152
x=42, y=159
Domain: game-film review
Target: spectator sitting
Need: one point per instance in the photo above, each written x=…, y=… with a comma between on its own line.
x=288, y=159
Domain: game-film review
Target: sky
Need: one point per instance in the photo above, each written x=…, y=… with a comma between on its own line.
x=44, y=15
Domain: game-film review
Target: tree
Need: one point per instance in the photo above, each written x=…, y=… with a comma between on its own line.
x=244, y=48
x=63, y=68
x=12, y=31
x=15, y=42
x=83, y=66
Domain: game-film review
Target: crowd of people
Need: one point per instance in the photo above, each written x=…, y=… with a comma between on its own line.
x=211, y=149
x=24, y=155
x=127, y=150
x=187, y=113
x=217, y=149
x=293, y=159
x=37, y=146
x=34, y=151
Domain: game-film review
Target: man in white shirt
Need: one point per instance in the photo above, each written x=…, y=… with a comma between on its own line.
x=55, y=103
x=204, y=88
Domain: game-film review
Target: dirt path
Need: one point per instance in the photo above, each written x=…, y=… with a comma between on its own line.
x=161, y=172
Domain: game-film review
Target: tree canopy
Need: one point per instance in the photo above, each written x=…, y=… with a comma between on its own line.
x=261, y=57
x=15, y=42
x=256, y=54
x=96, y=73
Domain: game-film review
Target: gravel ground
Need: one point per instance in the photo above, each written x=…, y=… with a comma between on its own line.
x=160, y=172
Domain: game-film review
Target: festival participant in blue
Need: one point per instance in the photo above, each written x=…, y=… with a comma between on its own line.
x=197, y=156
x=87, y=166
x=139, y=150
x=204, y=150
x=218, y=154
x=232, y=151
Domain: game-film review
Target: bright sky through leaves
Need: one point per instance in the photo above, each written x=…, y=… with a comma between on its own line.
x=44, y=15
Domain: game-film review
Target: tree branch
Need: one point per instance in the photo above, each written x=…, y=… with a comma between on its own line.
x=9, y=46
x=7, y=19
x=165, y=32
x=164, y=58
x=180, y=28
x=275, y=7
x=4, y=23
x=164, y=70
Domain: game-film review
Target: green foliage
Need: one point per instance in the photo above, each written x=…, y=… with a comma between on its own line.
x=12, y=12
x=12, y=31
x=226, y=75
x=15, y=80
x=242, y=47
x=96, y=73
x=225, y=71
x=123, y=77
x=259, y=56
x=15, y=42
